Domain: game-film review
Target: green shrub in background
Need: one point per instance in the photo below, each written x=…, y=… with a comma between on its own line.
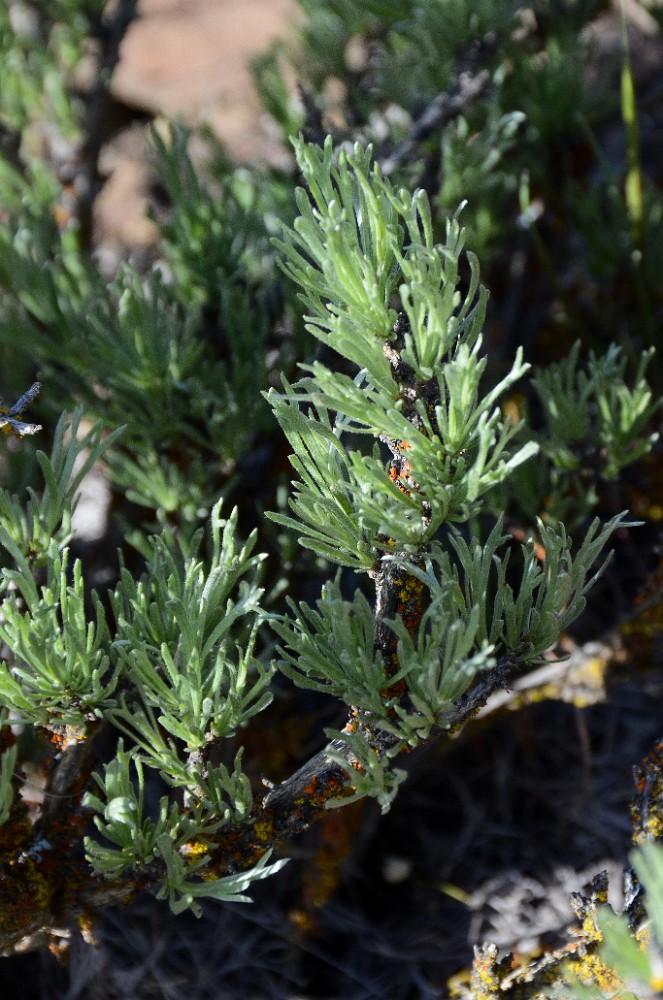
x=510, y=107
x=410, y=466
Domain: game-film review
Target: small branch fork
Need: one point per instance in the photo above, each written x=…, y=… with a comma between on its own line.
x=45, y=883
x=44, y=880
x=294, y=805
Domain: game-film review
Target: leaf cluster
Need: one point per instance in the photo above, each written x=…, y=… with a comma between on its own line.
x=173, y=668
x=474, y=619
x=135, y=842
x=358, y=246
x=416, y=385
x=595, y=419
x=595, y=408
x=187, y=645
x=180, y=354
x=61, y=671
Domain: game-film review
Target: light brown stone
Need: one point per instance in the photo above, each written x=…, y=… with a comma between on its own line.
x=188, y=59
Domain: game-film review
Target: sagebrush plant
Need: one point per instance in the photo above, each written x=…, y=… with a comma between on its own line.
x=395, y=449
x=417, y=467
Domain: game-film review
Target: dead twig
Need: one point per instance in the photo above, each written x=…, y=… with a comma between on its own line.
x=444, y=108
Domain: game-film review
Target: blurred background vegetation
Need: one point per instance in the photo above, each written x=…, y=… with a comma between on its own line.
x=547, y=118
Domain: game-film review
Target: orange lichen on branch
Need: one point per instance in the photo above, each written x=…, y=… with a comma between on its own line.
x=286, y=810
x=485, y=982
x=63, y=737
x=400, y=471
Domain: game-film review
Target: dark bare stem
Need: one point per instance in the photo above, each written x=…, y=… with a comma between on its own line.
x=444, y=108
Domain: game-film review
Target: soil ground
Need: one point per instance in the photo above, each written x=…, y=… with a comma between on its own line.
x=185, y=60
